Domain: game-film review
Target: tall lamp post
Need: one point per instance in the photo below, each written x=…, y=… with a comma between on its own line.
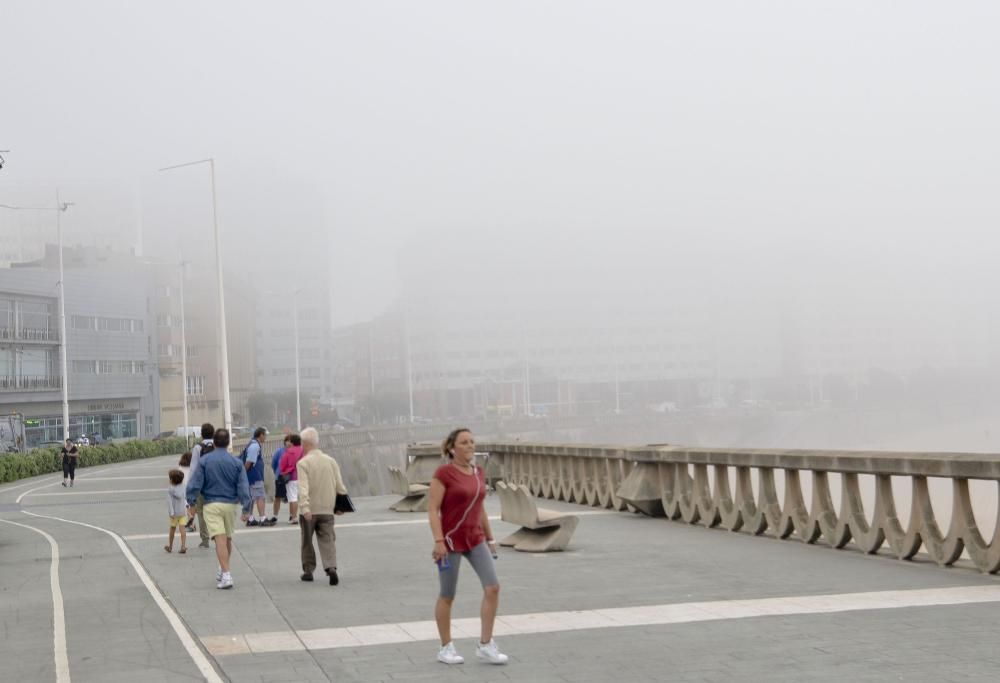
x=227, y=412
x=184, y=367
x=59, y=208
x=295, y=328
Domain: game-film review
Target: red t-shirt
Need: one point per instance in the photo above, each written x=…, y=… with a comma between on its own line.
x=462, y=507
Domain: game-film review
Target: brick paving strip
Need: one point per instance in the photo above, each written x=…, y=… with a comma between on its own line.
x=616, y=617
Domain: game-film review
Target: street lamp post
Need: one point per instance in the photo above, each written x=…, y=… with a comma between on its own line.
x=295, y=329
x=60, y=207
x=184, y=367
x=223, y=339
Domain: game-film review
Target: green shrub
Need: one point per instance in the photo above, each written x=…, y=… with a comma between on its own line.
x=45, y=460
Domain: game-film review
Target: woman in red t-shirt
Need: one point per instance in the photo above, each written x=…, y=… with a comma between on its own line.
x=461, y=528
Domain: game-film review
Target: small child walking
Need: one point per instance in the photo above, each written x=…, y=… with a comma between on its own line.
x=185, y=466
x=177, y=509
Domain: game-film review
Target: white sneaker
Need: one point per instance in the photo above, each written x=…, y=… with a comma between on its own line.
x=490, y=653
x=448, y=655
x=218, y=574
x=226, y=581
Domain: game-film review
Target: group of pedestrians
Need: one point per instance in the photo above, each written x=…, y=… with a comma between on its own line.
x=218, y=485
x=214, y=485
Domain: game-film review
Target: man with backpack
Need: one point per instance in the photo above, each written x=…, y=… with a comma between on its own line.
x=253, y=462
x=200, y=449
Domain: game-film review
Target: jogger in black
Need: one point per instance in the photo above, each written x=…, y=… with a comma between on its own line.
x=70, y=455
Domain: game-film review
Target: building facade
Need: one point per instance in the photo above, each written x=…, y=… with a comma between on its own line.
x=113, y=384
x=202, y=333
x=275, y=340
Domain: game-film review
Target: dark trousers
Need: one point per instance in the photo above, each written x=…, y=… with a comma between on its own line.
x=69, y=468
x=322, y=527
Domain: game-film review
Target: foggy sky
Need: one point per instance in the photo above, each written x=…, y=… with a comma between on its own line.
x=845, y=148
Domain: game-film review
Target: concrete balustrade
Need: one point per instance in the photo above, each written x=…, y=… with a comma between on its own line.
x=694, y=485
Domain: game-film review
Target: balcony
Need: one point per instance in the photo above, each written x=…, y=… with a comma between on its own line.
x=29, y=383
x=29, y=334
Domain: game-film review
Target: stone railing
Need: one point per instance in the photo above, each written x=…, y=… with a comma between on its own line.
x=716, y=488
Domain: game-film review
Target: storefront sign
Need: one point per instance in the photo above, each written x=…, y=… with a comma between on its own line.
x=100, y=407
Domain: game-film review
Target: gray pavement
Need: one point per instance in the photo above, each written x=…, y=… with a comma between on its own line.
x=116, y=631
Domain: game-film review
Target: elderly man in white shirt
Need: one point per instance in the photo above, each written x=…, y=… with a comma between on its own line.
x=319, y=484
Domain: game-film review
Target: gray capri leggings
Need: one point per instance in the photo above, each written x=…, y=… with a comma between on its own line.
x=482, y=562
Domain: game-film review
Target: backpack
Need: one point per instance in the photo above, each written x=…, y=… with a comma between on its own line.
x=204, y=449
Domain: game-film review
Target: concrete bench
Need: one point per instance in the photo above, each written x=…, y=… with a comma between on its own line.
x=541, y=530
x=414, y=495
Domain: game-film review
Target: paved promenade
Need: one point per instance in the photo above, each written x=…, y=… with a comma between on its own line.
x=634, y=599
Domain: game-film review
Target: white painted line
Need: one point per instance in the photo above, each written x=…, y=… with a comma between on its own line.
x=281, y=526
x=58, y=612
x=186, y=637
x=37, y=488
x=8, y=489
x=89, y=493
x=616, y=617
x=164, y=477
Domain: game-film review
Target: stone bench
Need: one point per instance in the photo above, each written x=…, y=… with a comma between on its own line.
x=541, y=530
x=414, y=495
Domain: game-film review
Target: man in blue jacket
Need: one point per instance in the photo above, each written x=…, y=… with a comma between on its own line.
x=221, y=480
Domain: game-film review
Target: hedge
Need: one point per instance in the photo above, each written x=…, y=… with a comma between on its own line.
x=16, y=466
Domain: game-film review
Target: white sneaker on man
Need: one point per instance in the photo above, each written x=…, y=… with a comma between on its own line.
x=448, y=655
x=490, y=653
x=226, y=581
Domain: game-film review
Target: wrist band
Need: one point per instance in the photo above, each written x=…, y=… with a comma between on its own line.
x=439, y=540
x=491, y=540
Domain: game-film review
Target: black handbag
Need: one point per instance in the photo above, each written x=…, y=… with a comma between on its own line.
x=343, y=503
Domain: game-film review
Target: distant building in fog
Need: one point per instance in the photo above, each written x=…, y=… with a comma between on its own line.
x=202, y=332
x=275, y=336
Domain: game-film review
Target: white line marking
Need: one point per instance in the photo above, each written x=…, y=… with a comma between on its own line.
x=164, y=477
x=89, y=493
x=37, y=488
x=7, y=489
x=58, y=613
x=617, y=617
x=186, y=638
x=340, y=525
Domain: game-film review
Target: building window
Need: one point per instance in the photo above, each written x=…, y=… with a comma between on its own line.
x=196, y=385
x=84, y=322
x=85, y=367
x=149, y=425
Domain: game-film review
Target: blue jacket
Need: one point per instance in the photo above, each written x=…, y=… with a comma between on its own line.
x=276, y=458
x=219, y=478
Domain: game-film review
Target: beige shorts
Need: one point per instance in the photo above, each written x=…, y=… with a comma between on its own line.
x=220, y=518
x=178, y=521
